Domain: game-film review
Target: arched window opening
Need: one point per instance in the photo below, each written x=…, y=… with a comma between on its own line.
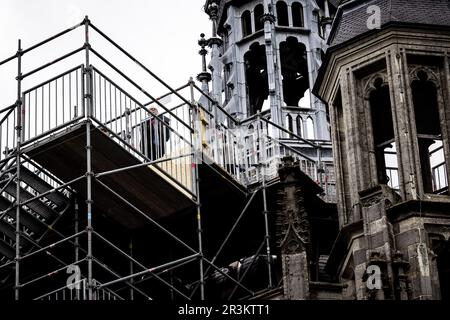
x=289, y=124
x=297, y=14
x=383, y=134
x=299, y=125
x=429, y=134
x=258, y=13
x=229, y=86
x=310, y=129
x=246, y=23
x=257, y=83
x=294, y=70
x=282, y=13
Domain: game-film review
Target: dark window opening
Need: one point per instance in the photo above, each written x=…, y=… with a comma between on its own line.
x=297, y=14
x=383, y=134
x=299, y=123
x=282, y=13
x=258, y=13
x=246, y=23
x=429, y=135
x=289, y=124
x=294, y=70
x=228, y=86
x=442, y=250
x=257, y=83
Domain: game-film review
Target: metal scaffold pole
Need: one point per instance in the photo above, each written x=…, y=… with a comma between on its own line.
x=89, y=173
x=263, y=164
x=76, y=223
x=18, y=146
x=77, y=240
x=131, y=270
x=196, y=160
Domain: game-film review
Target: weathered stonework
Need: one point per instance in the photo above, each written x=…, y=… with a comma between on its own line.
x=293, y=233
x=382, y=138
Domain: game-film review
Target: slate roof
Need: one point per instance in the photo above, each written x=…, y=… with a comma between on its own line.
x=351, y=18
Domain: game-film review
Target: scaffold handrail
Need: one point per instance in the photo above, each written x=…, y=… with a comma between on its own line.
x=138, y=86
x=48, y=64
x=139, y=64
x=41, y=43
x=139, y=105
x=37, y=45
x=53, y=78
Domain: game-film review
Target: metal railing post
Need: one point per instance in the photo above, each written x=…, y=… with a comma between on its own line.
x=197, y=160
x=127, y=114
x=262, y=163
x=18, y=145
x=77, y=243
x=89, y=173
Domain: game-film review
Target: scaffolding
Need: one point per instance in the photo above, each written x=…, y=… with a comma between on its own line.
x=91, y=175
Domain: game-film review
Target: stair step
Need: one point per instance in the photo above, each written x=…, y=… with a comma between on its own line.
x=42, y=186
x=7, y=250
x=26, y=218
x=37, y=206
x=10, y=231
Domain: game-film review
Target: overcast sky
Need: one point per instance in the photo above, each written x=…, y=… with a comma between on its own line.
x=162, y=34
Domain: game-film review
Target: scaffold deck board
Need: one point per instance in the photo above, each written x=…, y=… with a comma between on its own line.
x=64, y=155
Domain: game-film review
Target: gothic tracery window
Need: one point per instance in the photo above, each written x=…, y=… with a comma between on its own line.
x=429, y=133
x=257, y=84
x=383, y=133
x=294, y=70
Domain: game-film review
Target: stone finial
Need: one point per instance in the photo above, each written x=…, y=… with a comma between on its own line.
x=204, y=75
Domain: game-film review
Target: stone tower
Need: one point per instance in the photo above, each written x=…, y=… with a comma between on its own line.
x=265, y=57
x=386, y=81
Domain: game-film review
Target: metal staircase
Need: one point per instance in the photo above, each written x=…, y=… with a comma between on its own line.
x=37, y=214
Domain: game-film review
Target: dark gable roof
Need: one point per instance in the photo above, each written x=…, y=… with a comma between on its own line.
x=351, y=19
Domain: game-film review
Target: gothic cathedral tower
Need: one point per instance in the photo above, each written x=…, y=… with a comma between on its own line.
x=265, y=57
x=386, y=80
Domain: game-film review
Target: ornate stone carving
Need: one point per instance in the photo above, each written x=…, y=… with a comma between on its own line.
x=292, y=221
x=432, y=73
x=369, y=82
